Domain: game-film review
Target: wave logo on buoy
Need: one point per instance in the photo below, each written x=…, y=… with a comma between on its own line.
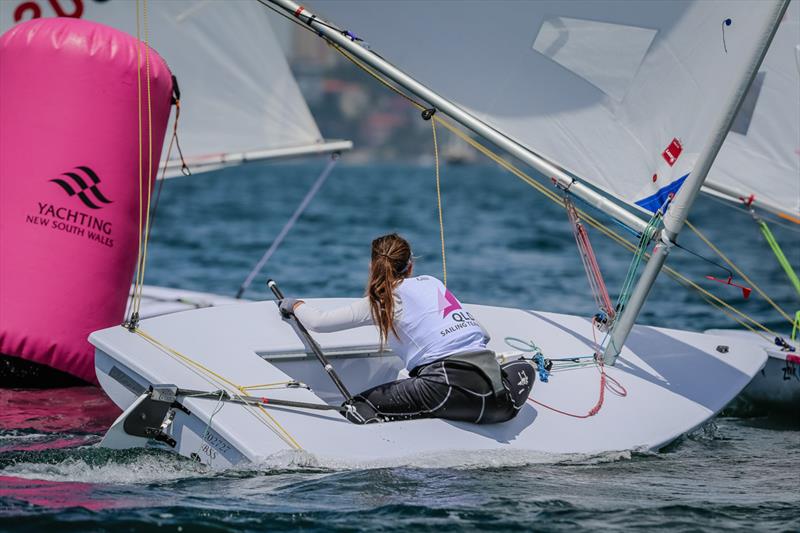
x=84, y=187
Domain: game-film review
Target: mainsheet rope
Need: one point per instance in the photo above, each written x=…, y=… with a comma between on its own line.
x=221, y=381
x=439, y=200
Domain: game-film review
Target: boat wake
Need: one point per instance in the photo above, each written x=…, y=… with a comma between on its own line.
x=457, y=459
x=99, y=465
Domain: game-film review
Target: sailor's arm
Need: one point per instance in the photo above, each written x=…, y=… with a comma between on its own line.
x=350, y=316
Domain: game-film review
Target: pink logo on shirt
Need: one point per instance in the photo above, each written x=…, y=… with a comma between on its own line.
x=448, y=303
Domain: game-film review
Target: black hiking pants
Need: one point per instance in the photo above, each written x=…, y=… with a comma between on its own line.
x=447, y=389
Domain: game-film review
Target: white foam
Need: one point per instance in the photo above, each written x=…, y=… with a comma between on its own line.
x=162, y=467
x=142, y=469
x=289, y=460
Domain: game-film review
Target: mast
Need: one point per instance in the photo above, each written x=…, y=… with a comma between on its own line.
x=562, y=179
x=675, y=216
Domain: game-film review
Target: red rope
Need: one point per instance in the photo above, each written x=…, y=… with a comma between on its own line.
x=589, y=260
x=606, y=381
x=593, y=411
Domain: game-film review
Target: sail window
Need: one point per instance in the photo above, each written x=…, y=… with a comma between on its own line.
x=604, y=54
x=741, y=123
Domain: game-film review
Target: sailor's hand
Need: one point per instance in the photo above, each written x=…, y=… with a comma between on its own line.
x=287, y=306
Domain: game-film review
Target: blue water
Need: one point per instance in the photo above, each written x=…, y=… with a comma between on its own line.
x=506, y=245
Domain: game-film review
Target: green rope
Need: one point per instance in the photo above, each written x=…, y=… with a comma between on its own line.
x=638, y=256
x=630, y=278
x=795, y=325
x=776, y=249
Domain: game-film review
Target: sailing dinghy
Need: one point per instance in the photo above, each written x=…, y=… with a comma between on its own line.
x=758, y=169
x=238, y=383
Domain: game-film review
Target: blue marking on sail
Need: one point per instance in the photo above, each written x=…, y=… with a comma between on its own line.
x=655, y=201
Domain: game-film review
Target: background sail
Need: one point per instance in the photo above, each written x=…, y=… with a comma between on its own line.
x=622, y=94
x=239, y=100
x=761, y=155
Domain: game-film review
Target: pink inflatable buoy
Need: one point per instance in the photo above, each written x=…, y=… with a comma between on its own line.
x=69, y=182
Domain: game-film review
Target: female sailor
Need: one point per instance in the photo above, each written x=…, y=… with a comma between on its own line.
x=453, y=375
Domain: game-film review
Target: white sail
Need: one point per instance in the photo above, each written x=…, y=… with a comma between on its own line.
x=761, y=156
x=239, y=99
x=622, y=94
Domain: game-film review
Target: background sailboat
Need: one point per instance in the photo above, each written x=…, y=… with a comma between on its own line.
x=758, y=170
x=761, y=155
x=663, y=110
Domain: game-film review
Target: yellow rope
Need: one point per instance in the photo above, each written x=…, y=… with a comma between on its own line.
x=149, y=151
x=266, y=386
x=710, y=298
x=736, y=269
x=139, y=139
x=142, y=263
x=278, y=429
x=439, y=202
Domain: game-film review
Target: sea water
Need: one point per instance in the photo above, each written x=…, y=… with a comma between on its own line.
x=506, y=245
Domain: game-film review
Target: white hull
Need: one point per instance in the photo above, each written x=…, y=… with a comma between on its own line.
x=158, y=301
x=675, y=381
x=778, y=383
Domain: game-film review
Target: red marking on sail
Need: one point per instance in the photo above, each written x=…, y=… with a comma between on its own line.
x=672, y=152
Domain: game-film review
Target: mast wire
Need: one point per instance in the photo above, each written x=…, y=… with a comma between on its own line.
x=740, y=272
x=289, y=225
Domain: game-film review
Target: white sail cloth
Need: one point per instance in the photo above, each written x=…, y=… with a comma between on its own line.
x=238, y=97
x=623, y=94
x=761, y=155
